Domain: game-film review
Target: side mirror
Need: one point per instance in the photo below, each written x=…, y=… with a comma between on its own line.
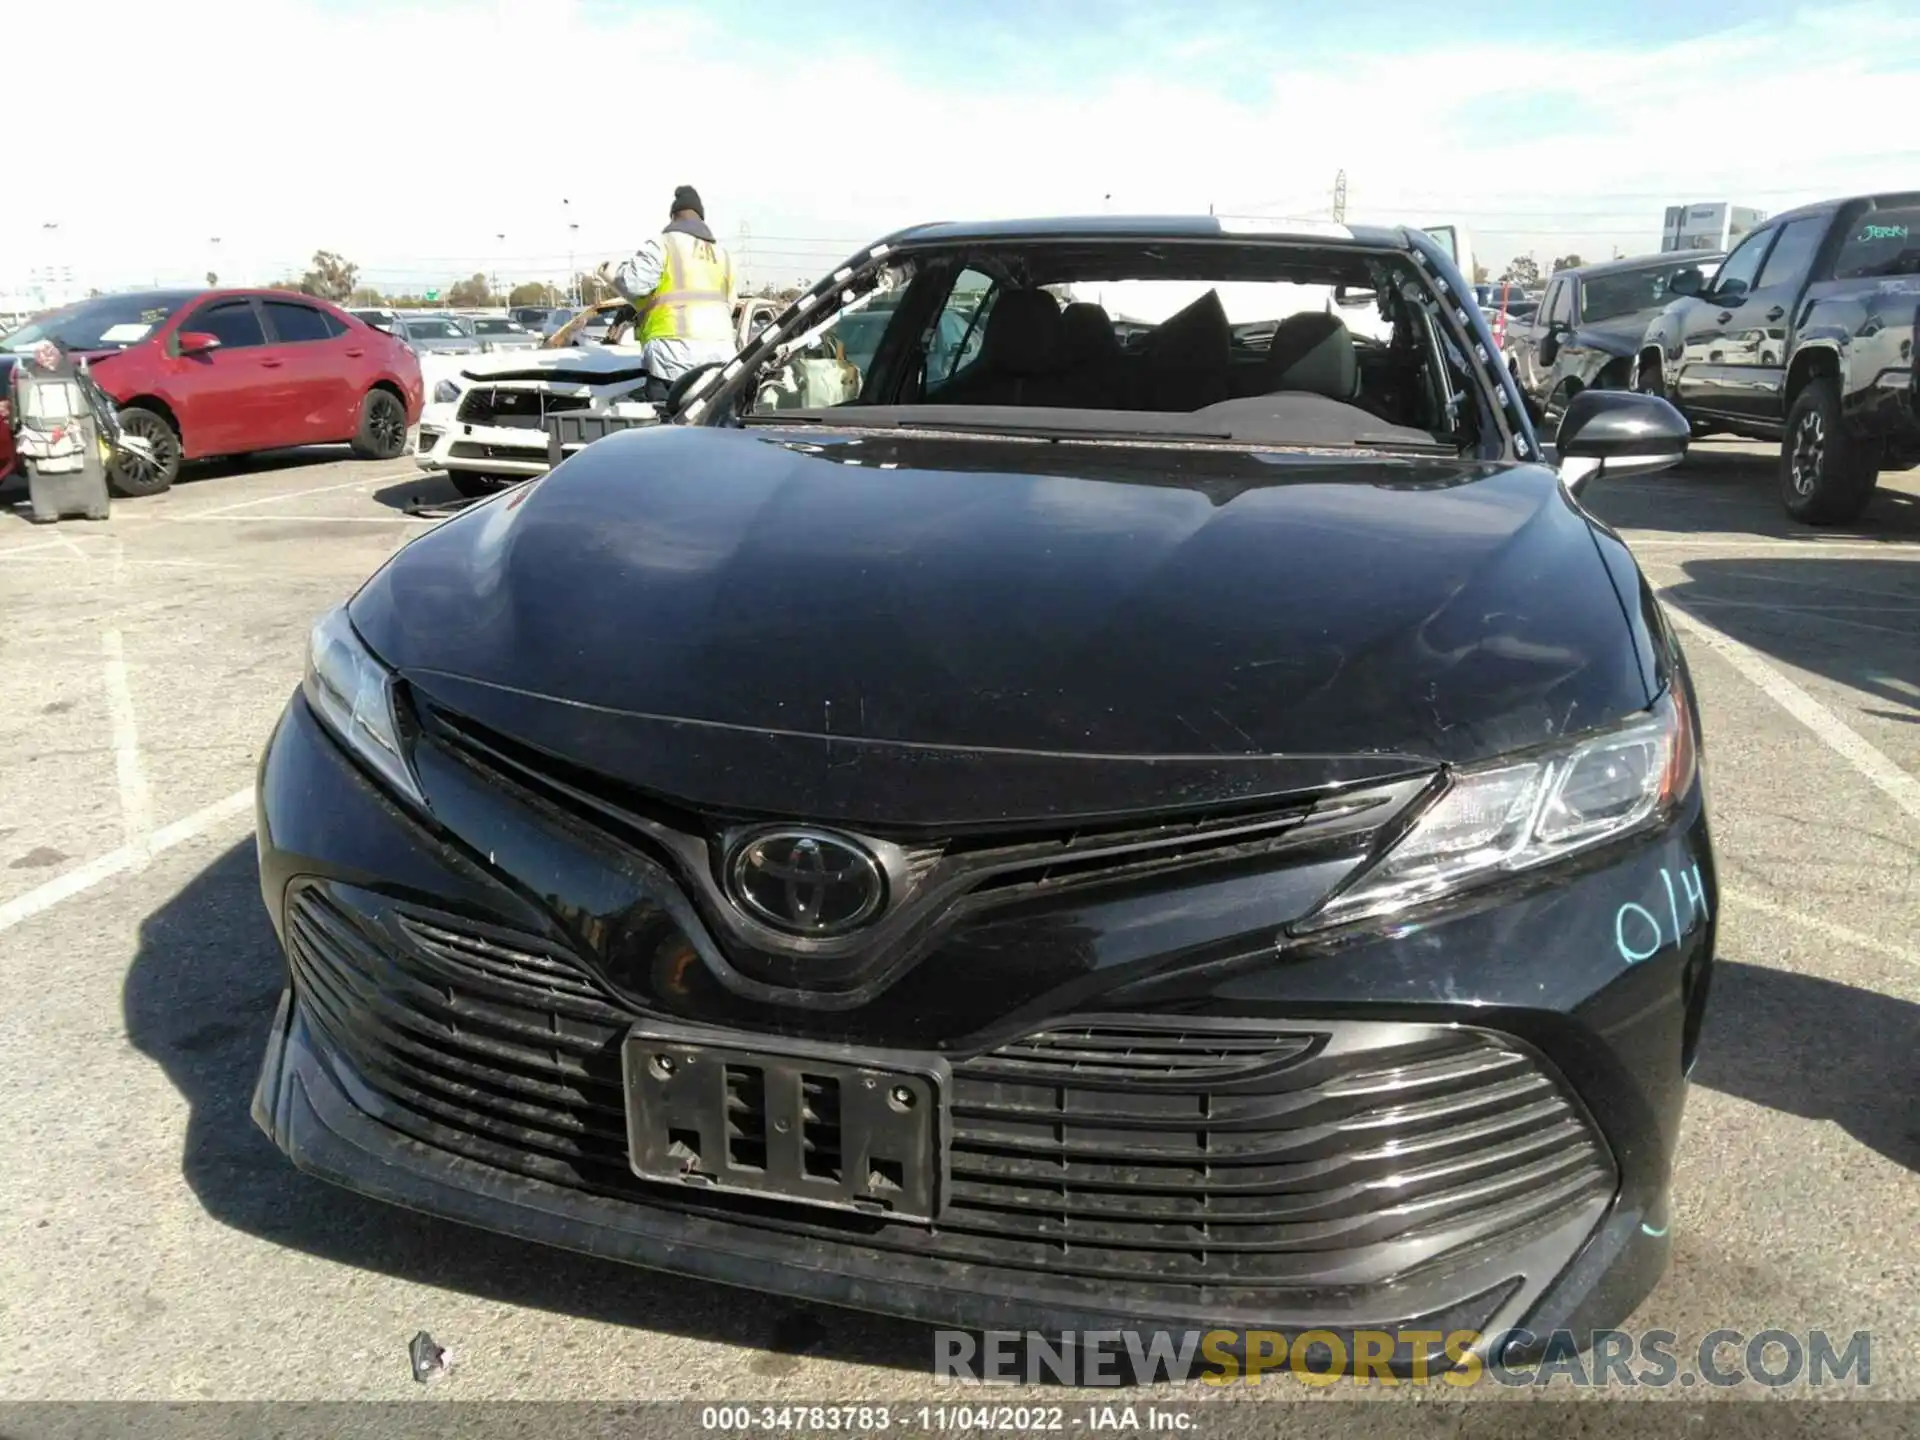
x=1618, y=432
x=197, y=342
x=1731, y=292
x=1686, y=282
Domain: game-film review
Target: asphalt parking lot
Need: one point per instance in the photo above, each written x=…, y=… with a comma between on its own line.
x=160, y=1248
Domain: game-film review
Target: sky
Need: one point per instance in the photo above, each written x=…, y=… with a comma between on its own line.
x=429, y=139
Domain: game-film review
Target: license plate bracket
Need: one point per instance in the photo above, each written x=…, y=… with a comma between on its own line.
x=840, y=1126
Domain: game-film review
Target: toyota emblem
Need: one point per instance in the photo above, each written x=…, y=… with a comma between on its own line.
x=806, y=882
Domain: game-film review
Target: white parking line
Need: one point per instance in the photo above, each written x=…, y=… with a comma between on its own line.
x=128, y=857
x=280, y=496
x=1883, y=773
x=394, y=519
x=1841, y=933
x=136, y=803
x=1781, y=548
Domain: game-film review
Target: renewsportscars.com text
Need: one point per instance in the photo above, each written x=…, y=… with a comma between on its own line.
x=1655, y=1359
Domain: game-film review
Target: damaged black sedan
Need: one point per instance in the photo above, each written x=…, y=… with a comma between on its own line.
x=1128, y=797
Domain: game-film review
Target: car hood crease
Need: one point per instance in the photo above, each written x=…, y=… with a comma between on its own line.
x=681, y=607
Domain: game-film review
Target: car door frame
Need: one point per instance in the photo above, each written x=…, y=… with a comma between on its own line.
x=1708, y=375
x=323, y=373
x=1537, y=373
x=209, y=428
x=1764, y=319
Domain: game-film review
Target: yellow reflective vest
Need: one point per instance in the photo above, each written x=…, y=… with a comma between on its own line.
x=694, y=299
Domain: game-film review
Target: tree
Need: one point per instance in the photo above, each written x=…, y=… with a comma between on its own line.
x=1522, y=270
x=366, y=297
x=212, y=279
x=331, y=278
x=1567, y=262
x=472, y=292
x=531, y=292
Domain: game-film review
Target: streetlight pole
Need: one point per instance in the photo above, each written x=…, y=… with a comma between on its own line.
x=501, y=240
x=50, y=227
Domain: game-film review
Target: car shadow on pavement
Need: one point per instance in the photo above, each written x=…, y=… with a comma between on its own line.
x=198, y=1000
x=1719, y=489
x=1852, y=619
x=427, y=489
x=1816, y=1049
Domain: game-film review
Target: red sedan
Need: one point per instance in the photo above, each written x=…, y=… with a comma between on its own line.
x=198, y=373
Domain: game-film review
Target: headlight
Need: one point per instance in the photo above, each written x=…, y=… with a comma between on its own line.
x=446, y=392
x=353, y=693
x=1518, y=813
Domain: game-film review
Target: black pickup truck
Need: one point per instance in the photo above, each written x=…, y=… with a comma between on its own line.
x=1805, y=335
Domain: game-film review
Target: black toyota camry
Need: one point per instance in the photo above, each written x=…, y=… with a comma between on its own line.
x=1134, y=795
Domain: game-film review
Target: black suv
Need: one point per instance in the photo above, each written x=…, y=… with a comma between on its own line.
x=1805, y=336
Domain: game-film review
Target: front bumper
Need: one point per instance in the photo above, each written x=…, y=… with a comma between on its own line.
x=489, y=449
x=1529, y=992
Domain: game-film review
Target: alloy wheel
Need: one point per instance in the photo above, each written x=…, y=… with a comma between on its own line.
x=141, y=469
x=1809, y=451
x=386, y=423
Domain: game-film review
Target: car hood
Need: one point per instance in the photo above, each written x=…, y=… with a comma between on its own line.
x=965, y=630
x=593, y=364
x=1620, y=334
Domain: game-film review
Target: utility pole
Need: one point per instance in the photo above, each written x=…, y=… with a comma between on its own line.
x=746, y=247
x=1340, y=198
x=501, y=240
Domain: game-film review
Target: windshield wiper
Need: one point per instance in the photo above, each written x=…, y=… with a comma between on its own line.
x=1393, y=442
x=1060, y=432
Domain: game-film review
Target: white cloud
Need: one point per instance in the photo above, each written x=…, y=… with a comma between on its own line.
x=410, y=136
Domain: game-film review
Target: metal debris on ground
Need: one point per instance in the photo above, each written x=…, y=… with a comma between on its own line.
x=430, y=1361
x=437, y=509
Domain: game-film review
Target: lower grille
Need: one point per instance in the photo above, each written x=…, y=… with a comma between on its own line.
x=521, y=409
x=1229, y=1164
x=474, y=450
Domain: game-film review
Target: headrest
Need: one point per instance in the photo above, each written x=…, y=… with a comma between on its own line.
x=1023, y=334
x=1197, y=336
x=1313, y=352
x=1189, y=356
x=1089, y=332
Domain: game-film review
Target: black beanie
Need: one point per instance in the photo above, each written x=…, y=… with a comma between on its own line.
x=687, y=198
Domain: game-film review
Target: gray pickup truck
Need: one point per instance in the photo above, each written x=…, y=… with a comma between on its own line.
x=1805, y=335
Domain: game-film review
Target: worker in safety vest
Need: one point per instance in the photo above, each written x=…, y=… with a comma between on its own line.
x=681, y=286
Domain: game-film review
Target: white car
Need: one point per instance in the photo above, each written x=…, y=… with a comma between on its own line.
x=485, y=427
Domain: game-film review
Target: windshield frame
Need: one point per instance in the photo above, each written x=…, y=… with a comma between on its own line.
x=720, y=396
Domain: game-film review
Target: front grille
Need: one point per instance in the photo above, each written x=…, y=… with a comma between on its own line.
x=518, y=409
x=474, y=450
x=1007, y=865
x=1226, y=1163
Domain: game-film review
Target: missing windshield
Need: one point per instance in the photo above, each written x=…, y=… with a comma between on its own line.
x=1243, y=342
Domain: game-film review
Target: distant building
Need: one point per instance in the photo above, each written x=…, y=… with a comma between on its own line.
x=1715, y=226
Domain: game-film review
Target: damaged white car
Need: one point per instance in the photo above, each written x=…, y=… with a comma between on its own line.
x=487, y=427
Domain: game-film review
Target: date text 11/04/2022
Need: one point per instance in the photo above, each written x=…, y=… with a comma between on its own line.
x=960, y=1418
